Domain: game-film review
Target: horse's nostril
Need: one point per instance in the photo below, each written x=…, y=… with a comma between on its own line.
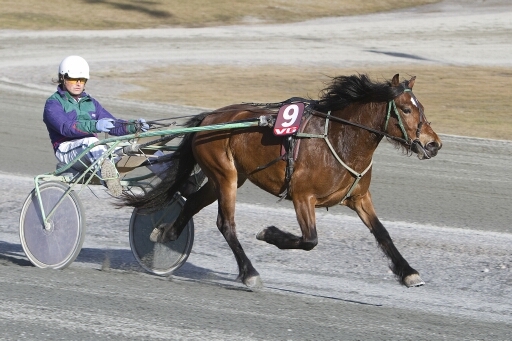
x=432, y=147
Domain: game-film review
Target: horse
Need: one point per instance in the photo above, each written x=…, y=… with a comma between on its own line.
x=330, y=163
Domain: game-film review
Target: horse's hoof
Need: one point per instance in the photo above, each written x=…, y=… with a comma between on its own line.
x=413, y=280
x=261, y=234
x=155, y=235
x=254, y=282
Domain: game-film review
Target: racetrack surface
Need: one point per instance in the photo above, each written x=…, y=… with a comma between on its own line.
x=449, y=216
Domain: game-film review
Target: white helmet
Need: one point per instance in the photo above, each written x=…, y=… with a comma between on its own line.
x=74, y=67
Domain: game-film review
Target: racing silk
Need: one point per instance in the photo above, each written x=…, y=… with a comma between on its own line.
x=67, y=119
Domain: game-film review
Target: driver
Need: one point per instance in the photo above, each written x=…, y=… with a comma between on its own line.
x=73, y=118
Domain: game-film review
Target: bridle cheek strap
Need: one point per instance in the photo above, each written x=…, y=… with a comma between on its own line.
x=392, y=104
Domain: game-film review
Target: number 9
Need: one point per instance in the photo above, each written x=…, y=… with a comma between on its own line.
x=290, y=117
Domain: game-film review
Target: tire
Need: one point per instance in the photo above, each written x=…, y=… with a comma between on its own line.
x=58, y=245
x=160, y=259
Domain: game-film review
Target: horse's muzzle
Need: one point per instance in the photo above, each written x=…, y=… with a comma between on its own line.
x=425, y=152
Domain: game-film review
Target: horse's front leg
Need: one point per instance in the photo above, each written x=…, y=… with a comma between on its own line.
x=363, y=205
x=305, y=211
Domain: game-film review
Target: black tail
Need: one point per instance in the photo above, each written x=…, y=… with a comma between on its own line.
x=183, y=164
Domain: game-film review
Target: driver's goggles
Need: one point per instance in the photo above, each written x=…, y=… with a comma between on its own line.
x=76, y=80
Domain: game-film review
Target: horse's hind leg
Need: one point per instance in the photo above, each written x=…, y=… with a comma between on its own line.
x=364, y=207
x=195, y=203
x=226, y=224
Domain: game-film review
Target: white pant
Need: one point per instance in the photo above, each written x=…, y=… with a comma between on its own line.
x=69, y=150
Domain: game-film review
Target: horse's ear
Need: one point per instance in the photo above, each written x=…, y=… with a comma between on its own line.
x=411, y=82
x=396, y=80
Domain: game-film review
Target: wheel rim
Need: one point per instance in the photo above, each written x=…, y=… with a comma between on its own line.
x=57, y=244
x=160, y=258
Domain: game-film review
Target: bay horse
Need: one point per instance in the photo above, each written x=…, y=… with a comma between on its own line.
x=330, y=164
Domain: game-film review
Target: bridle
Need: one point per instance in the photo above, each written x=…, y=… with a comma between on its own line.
x=423, y=119
x=391, y=109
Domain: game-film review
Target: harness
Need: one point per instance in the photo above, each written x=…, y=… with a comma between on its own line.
x=291, y=143
x=325, y=136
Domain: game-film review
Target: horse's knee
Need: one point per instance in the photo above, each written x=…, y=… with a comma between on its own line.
x=309, y=244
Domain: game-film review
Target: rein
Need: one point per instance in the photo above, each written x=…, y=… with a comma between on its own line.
x=391, y=104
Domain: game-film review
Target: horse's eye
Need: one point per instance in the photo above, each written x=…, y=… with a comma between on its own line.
x=406, y=110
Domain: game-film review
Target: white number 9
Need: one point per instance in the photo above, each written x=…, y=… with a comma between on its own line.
x=290, y=117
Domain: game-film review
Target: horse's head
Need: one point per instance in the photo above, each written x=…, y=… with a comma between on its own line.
x=406, y=120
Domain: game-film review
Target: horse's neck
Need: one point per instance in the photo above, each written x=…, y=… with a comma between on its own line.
x=371, y=115
x=356, y=143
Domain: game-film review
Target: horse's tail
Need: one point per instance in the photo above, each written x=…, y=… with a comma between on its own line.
x=177, y=175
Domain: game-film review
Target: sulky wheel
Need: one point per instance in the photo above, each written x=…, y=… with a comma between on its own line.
x=160, y=258
x=57, y=243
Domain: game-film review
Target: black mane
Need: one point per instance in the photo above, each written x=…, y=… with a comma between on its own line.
x=345, y=90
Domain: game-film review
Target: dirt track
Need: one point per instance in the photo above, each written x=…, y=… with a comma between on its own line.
x=448, y=216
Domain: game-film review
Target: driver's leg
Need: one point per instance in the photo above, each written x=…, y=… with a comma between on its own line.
x=69, y=150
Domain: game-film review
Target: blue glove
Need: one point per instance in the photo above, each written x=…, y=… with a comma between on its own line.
x=142, y=125
x=104, y=125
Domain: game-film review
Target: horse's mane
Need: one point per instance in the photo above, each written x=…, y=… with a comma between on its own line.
x=345, y=90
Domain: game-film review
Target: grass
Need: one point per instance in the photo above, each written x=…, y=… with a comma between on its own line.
x=135, y=14
x=468, y=101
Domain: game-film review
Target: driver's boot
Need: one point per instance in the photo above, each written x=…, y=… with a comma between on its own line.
x=109, y=175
